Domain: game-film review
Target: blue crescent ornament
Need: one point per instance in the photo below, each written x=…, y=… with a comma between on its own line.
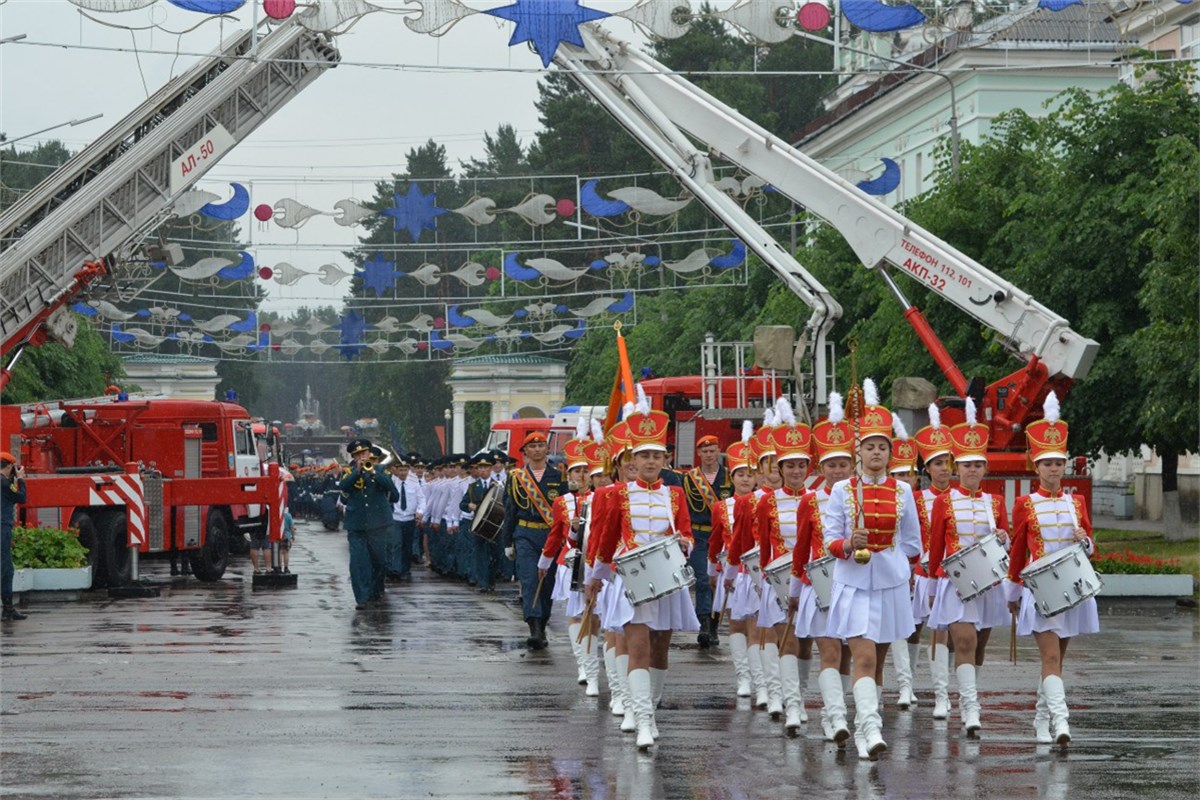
x=877, y=17
x=886, y=182
x=232, y=208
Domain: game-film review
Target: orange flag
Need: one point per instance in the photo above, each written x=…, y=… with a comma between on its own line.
x=622, y=389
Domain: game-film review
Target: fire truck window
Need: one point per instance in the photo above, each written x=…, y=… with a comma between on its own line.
x=243, y=436
x=208, y=430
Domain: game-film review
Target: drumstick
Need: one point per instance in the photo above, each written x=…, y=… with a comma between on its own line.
x=587, y=615
x=791, y=620
x=1012, y=639
x=537, y=593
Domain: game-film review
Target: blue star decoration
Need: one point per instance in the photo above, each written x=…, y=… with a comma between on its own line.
x=378, y=274
x=546, y=23
x=352, y=326
x=414, y=211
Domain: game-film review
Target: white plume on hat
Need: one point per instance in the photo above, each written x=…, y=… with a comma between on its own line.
x=627, y=409
x=747, y=430
x=935, y=416
x=972, y=412
x=870, y=392
x=597, y=430
x=643, y=402
x=837, y=410
x=898, y=428
x=784, y=415
x=768, y=418
x=581, y=427
x=1050, y=408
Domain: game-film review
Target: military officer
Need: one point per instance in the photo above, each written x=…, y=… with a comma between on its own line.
x=368, y=493
x=705, y=486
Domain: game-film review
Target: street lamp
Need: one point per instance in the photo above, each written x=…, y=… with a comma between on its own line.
x=72, y=123
x=446, y=441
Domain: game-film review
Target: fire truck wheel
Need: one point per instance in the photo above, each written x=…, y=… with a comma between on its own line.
x=90, y=539
x=208, y=563
x=114, y=536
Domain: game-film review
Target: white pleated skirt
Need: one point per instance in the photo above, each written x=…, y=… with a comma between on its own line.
x=1079, y=620
x=770, y=612
x=988, y=610
x=922, y=588
x=745, y=600
x=720, y=601
x=562, y=583
x=675, y=612
x=880, y=615
x=811, y=621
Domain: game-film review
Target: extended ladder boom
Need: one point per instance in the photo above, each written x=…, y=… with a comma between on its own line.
x=657, y=106
x=123, y=185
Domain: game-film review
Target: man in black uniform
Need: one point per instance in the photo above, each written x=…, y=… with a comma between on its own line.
x=368, y=493
x=12, y=492
x=705, y=486
x=531, y=490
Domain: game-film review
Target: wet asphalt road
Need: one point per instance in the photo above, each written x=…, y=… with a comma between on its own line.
x=217, y=690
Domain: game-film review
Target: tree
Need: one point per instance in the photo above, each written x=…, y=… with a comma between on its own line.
x=1093, y=210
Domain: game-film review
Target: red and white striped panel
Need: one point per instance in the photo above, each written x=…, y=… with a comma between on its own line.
x=123, y=490
x=275, y=516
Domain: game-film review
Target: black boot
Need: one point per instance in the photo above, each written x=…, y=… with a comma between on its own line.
x=11, y=613
x=534, y=636
x=714, y=637
x=542, y=643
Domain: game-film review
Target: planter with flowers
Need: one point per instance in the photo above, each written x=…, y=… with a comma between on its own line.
x=48, y=559
x=1129, y=574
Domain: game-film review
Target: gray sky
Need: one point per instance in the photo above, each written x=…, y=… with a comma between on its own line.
x=330, y=143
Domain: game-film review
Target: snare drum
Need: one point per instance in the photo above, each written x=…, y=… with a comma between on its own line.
x=1061, y=580
x=975, y=569
x=654, y=570
x=750, y=560
x=779, y=575
x=820, y=573
x=489, y=514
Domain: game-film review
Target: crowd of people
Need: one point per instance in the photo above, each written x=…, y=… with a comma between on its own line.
x=800, y=535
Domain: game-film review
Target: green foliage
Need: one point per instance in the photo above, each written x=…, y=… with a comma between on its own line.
x=1127, y=562
x=53, y=372
x=47, y=548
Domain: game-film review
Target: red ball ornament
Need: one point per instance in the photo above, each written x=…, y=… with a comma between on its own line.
x=422, y=345
x=492, y=274
x=265, y=273
x=439, y=322
x=263, y=212
x=279, y=9
x=565, y=207
x=275, y=346
x=264, y=328
x=813, y=16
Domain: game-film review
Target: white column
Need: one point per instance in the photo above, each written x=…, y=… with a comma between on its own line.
x=460, y=427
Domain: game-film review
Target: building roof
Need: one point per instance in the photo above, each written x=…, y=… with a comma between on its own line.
x=166, y=358
x=517, y=359
x=1077, y=24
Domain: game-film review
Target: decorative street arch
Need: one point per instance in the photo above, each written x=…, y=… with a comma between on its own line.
x=516, y=386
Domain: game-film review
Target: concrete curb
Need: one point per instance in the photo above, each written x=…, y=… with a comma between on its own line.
x=1146, y=585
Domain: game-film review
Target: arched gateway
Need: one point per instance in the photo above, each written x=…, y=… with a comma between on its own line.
x=514, y=385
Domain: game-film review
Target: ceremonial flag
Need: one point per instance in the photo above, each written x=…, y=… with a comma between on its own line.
x=622, y=390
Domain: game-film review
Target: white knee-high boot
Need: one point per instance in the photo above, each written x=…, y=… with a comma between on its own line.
x=789, y=679
x=1041, y=716
x=830, y=683
x=913, y=659
x=658, y=681
x=1056, y=700
x=904, y=676
x=805, y=669
x=591, y=667
x=770, y=659
x=738, y=649
x=573, y=629
x=757, y=674
x=866, y=716
x=643, y=704
x=616, y=694
x=629, y=723
x=940, y=667
x=968, y=698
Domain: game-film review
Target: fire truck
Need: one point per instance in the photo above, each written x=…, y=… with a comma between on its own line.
x=684, y=128
x=150, y=475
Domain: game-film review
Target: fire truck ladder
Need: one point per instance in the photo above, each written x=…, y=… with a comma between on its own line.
x=122, y=186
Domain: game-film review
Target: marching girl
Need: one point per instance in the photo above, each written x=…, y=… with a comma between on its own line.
x=747, y=586
x=903, y=467
x=775, y=519
x=871, y=527
x=961, y=517
x=562, y=548
x=933, y=443
x=747, y=663
x=616, y=658
x=1045, y=522
x=832, y=440
x=645, y=511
